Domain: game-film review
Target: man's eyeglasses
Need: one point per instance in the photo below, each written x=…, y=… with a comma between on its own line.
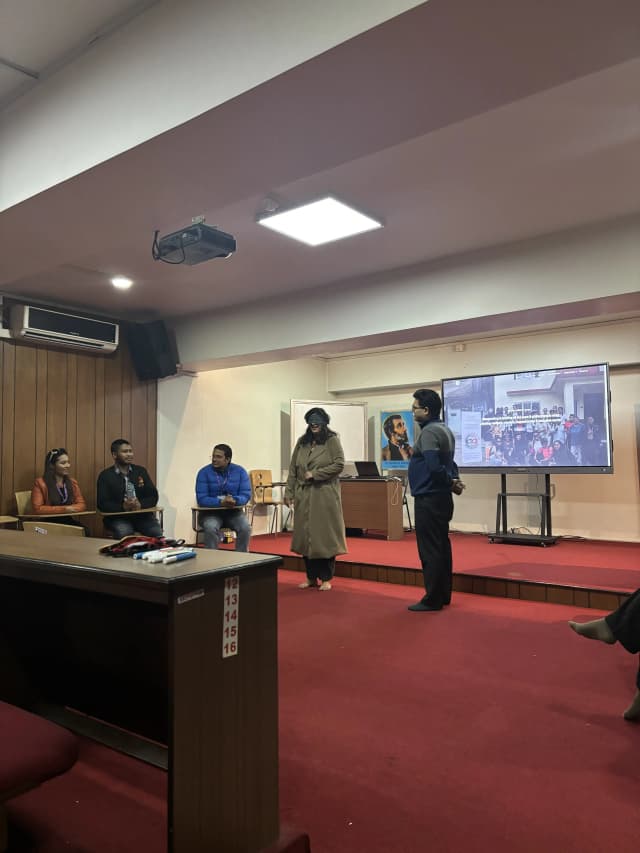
x=418, y=408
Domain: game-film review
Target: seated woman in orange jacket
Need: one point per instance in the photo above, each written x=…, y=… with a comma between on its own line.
x=56, y=492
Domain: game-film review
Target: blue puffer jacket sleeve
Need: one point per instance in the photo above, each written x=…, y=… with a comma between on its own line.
x=241, y=492
x=210, y=488
x=206, y=490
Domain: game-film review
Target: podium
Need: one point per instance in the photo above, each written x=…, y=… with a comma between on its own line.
x=373, y=505
x=183, y=656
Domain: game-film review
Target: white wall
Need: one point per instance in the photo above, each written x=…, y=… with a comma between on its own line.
x=248, y=408
x=245, y=407
x=617, y=343
x=590, y=505
x=418, y=304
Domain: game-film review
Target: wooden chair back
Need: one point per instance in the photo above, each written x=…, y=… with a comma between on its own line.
x=262, y=494
x=23, y=503
x=262, y=487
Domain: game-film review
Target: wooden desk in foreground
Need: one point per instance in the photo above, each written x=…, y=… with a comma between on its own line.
x=141, y=646
x=373, y=505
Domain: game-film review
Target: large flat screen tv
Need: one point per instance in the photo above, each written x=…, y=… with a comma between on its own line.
x=538, y=420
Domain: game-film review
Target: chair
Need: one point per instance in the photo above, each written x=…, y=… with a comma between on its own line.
x=25, y=513
x=262, y=487
x=23, y=503
x=45, y=527
x=108, y=534
x=23, y=507
x=226, y=533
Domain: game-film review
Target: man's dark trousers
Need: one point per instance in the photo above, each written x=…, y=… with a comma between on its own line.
x=432, y=516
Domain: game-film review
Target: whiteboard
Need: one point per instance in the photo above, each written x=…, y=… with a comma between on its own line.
x=349, y=420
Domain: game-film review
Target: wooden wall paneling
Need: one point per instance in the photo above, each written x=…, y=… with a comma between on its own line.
x=138, y=435
x=143, y=429
x=126, y=399
x=113, y=398
x=24, y=427
x=84, y=464
x=42, y=362
x=56, y=399
x=8, y=391
x=72, y=409
x=103, y=454
x=52, y=398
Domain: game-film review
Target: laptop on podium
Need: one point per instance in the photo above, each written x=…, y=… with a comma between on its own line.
x=367, y=471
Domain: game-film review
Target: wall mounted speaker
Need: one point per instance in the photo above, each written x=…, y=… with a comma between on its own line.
x=153, y=350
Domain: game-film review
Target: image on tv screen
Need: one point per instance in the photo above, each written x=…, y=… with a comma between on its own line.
x=553, y=419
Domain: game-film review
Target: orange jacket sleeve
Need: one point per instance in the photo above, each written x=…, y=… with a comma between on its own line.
x=40, y=496
x=79, y=504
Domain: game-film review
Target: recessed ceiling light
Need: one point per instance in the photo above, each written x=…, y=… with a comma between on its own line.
x=320, y=222
x=121, y=282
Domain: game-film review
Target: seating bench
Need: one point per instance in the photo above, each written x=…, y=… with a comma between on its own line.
x=32, y=750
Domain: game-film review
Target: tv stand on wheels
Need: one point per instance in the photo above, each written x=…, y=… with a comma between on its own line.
x=503, y=534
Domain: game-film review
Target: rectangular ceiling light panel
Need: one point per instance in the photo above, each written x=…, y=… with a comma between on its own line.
x=319, y=222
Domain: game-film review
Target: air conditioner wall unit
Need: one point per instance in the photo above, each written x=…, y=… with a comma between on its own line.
x=58, y=328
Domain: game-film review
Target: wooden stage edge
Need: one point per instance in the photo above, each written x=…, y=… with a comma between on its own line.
x=550, y=593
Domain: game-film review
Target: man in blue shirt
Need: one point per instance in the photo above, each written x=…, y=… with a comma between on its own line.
x=225, y=487
x=433, y=476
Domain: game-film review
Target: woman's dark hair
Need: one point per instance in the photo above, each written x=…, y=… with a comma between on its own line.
x=323, y=434
x=49, y=476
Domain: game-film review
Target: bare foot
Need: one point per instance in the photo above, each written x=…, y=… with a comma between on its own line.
x=633, y=711
x=307, y=585
x=595, y=630
x=325, y=586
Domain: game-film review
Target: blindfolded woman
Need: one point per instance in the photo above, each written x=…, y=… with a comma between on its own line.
x=313, y=488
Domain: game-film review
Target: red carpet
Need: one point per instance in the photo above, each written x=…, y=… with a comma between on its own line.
x=488, y=726
x=594, y=565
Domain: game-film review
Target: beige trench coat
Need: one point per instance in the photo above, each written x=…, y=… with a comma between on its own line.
x=318, y=526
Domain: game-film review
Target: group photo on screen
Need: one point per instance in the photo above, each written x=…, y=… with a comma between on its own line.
x=545, y=418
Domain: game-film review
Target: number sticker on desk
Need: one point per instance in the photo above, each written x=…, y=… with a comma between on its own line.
x=230, y=616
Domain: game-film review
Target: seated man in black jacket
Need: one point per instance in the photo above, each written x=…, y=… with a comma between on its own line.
x=126, y=487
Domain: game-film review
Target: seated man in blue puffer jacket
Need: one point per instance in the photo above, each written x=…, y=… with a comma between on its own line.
x=225, y=487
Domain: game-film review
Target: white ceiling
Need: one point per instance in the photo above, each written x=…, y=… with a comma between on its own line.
x=42, y=36
x=456, y=148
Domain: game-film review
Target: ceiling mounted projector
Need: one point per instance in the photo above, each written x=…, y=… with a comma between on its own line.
x=193, y=245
